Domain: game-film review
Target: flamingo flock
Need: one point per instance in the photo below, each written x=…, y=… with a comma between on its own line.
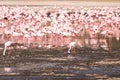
x=58, y=25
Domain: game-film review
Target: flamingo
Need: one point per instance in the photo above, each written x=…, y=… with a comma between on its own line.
x=71, y=46
x=7, y=44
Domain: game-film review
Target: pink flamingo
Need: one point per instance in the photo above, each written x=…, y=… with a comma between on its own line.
x=71, y=46
x=7, y=44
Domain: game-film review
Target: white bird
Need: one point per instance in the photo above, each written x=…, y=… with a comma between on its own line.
x=71, y=45
x=7, y=44
x=117, y=38
x=104, y=32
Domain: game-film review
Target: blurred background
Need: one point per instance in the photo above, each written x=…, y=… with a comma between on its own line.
x=64, y=2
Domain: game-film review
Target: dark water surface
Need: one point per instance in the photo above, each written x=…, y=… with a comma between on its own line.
x=52, y=64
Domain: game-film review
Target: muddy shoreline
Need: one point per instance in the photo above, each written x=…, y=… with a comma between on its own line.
x=61, y=3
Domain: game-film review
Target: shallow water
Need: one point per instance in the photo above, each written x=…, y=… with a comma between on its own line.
x=51, y=64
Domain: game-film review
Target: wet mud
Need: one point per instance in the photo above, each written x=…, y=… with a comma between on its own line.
x=56, y=63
